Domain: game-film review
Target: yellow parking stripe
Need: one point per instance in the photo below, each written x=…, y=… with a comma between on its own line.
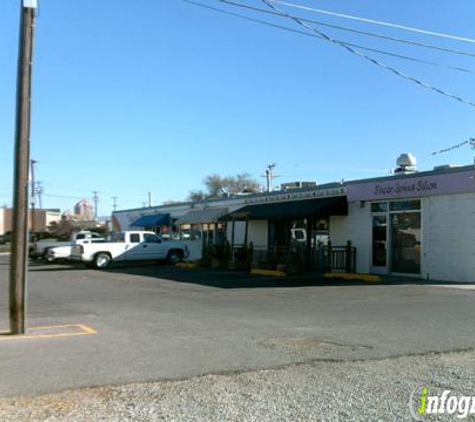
x=354, y=276
x=271, y=273
x=85, y=331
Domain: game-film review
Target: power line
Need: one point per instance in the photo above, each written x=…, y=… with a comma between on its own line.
x=63, y=196
x=370, y=59
x=307, y=34
x=376, y=22
x=356, y=31
x=470, y=141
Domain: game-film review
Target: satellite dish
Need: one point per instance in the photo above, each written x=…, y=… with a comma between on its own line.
x=406, y=160
x=406, y=163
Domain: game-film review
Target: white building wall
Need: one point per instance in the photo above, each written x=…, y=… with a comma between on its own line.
x=339, y=230
x=2, y=222
x=448, y=233
x=52, y=216
x=258, y=233
x=357, y=228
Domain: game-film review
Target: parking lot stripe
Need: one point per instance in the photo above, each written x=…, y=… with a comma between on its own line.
x=85, y=331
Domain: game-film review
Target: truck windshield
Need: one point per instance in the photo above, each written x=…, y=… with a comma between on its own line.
x=118, y=237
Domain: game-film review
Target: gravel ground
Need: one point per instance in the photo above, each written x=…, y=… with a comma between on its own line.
x=320, y=391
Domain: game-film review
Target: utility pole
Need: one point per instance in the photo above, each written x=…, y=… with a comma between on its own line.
x=270, y=176
x=19, y=248
x=150, y=199
x=96, y=200
x=39, y=191
x=32, y=195
x=114, y=205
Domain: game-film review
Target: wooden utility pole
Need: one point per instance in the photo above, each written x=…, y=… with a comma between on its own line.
x=114, y=205
x=96, y=200
x=32, y=196
x=19, y=248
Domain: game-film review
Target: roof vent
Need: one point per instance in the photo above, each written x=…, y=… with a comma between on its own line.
x=406, y=164
x=447, y=166
x=297, y=185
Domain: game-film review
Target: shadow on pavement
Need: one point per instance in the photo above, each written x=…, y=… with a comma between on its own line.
x=228, y=279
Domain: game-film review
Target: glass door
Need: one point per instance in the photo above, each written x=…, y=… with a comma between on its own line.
x=380, y=244
x=406, y=243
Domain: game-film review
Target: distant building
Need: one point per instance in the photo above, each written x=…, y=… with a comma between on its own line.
x=39, y=220
x=83, y=210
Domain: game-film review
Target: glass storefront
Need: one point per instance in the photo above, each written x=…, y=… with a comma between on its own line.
x=406, y=243
x=396, y=236
x=380, y=225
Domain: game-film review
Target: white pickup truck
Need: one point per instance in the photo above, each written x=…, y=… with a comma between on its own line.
x=62, y=250
x=129, y=246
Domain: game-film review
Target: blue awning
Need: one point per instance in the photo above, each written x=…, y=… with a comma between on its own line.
x=152, y=220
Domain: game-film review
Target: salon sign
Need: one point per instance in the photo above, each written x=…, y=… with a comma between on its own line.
x=413, y=187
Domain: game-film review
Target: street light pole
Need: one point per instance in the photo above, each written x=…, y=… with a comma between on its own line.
x=19, y=253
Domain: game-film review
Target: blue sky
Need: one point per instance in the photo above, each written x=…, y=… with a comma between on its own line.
x=153, y=95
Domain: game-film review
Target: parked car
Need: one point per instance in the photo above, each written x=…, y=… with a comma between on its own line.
x=59, y=253
x=6, y=238
x=129, y=246
x=41, y=248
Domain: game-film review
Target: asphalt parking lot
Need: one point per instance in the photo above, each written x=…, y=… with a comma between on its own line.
x=154, y=322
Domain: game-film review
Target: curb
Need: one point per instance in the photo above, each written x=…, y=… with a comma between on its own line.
x=272, y=273
x=354, y=276
x=187, y=265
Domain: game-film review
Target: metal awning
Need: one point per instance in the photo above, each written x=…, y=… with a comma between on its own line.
x=320, y=207
x=201, y=216
x=152, y=220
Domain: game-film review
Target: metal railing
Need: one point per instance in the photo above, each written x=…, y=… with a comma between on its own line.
x=275, y=258
x=341, y=258
x=297, y=257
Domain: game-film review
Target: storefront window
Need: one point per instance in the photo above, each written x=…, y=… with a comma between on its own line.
x=406, y=243
x=196, y=232
x=185, y=232
x=221, y=233
x=379, y=207
x=380, y=224
x=405, y=205
x=298, y=231
x=208, y=233
x=397, y=247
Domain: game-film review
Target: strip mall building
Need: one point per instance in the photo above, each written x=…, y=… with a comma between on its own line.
x=419, y=224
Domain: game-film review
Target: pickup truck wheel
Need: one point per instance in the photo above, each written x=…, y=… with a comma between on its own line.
x=102, y=260
x=44, y=257
x=48, y=259
x=174, y=257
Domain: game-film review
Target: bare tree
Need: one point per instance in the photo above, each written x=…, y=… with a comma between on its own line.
x=218, y=186
x=196, y=196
